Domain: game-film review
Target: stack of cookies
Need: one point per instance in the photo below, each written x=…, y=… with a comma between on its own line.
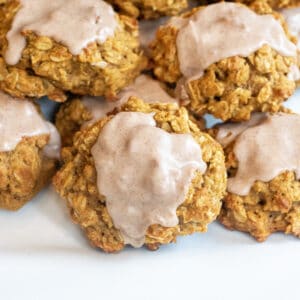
x=129, y=150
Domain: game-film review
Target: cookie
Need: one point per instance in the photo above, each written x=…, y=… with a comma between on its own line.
x=29, y=152
x=170, y=185
x=52, y=48
x=226, y=60
x=263, y=174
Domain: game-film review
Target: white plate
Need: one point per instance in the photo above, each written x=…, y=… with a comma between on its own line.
x=44, y=256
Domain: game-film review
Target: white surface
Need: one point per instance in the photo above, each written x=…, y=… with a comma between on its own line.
x=44, y=256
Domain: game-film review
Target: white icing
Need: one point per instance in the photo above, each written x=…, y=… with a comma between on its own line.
x=221, y=31
x=20, y=118
x=264, y=150
x=228, y=132
x=74, y=23
x=144, y=172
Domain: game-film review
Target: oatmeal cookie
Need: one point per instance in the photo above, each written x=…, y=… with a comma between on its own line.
x=76, y=182
x=271, y=205
x=79, y=112
x=231, y=88
x=29, y=152
x=74, y=114
x=48, y=68
x=24, y=171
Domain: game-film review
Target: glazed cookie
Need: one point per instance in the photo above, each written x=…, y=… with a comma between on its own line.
x=263, y=167
x=144, y=175
x=29, y=152
x=149, y=9
x=48, y=48
x=80, y=112
x=227, y=60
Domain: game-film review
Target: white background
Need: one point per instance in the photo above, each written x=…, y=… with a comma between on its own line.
x=44, y=256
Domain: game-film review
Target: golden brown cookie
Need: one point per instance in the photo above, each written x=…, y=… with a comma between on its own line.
x=24, y=172
x=76, y=182
x=29, y=151
x=47, y=68
x=233, y=87
x=271, y=206
x=73, y=114
x=78, y=112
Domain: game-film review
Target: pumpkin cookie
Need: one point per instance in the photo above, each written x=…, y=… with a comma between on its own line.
x=142, y=176
x=227, y=60
x=263, y=167
x=29, y=152
x=49, y=48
